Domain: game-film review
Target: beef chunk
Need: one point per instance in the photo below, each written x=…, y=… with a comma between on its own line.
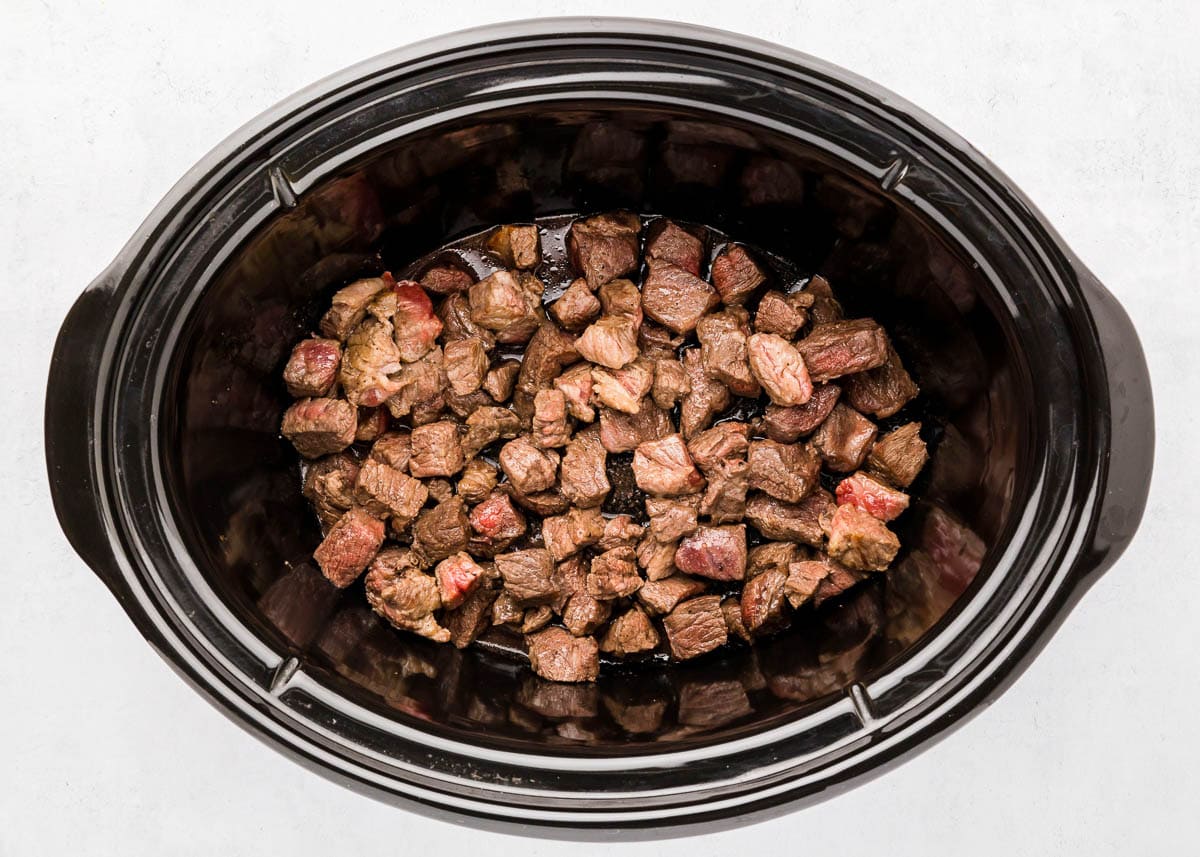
x=370, y=361
x=442, y=530
x=664, y=467
x=436, y=450
x=725, y=497
x=440, y=490
x=576, y=385
x=611, y=341
x=478, y=479
x=723, y=347
x=620, y=531
x=576, y=307
x=455, y=314
x=630, y=633
x=528, y=468
x=487, y=425
x=770, y=555
x=721, y=443
x=787, y=472
x=718, y=553
x=804, y=577
x=404, y=595
x=873, y=497
x=416, y=325
x=372, y=423
x=789, y=424
x=542, y=503
x=584, y=477
x=882, y=391
x=500, y=380
x=825, y=309
x=556, y=655
x=516, y=246
x=624, y=432
x=668, y=242
x=780, y=369
x=836, y=582
x=550, y=425
x=843, y=348
x=736, y=275
x=467, y=621
x=447, y=279
x=695, y=627
x=655, y=558
x=394, y=449
x=528, y=575
x=623, y=389
x=466, y=363
x=844, y=439
x=329, y=485
x=657, y=343
x=621, y=299
x=795, y=522
x=549, y=351
x=763, y=601
x=570, y=578
x=614, y=574
x=782, y=314
x=604, y=247
x=423, y=388
x=319, y=427
x=671, y=520
x=457, y=577
x=731, y=609
x=536, y=618
x=659, y=597
x=676, y=298
x=707, y=399
x=351, y=543
x=506, y=610
x=313, y=367
x=383, y=490
x=496, y=523
x=504, y=304
x=861, y=541
x=566, y=535
x=584, y=614
x=350, y=306
x=899, y=455
x=671, y=383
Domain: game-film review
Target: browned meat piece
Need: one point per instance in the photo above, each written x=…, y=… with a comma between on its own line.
x=555, y=655
x=671, y=520
x=844, y=439
x=404, y=595
x=675, y=298
x=417, y=327
x=584, y=477
x=486, y=426
x=500, y=380
x=604, y=247
x=385, y=491
x=620, y=532
x=610, y=341
x=394, y=448
x=528, y=575
x=804, y=577
x=664, y=467
x=725, y=442
x=899, y=455
x=787, y=472
x=657, y=343
x=502, y=303
x=576, y=385
x=478, y=479
x=731, y=609
x=457, y=577
x=623, y=389
x=506, y=610
x=319, y=427
x=528, y=468
x=861, y=541
x=725, y=497
x=423, y=389
x=763, y=600
x=565, y=535
x=329, y=486
x=671, y=383
x=707, y=399
x=549, y=351
x=455, y=313
x=614, y=574
x=723, y=346
x=667, y=242
x=370, y=361
x=570, y=578
x=789, y=424
x=660, y=597
x=516, y=246
x=799, y=523
x=577, y=307
x=467, y=621
x=351, y=543
x=440, y=490
x=782, y=314
x=313, y=367
x=695, y=627
x=771, y=555
x=442, y=530
x=536, y=618
x=551, y=427
x=372, y=423
x=655, y=558
x=583, y=614
x=446, y=279
x=623, y=432
x=541, y=503
x=825, y=309
x=882, y=391
x=622, y=299
x=843, y=348
x=496, y=523
x=836, y=582
x=463, y=406
x=718, y=553
x=874, y=498
x=736, y=275
x=436, y=450
x=466, y=363
x=630, y=633
x=780, y=369
x=350, y=306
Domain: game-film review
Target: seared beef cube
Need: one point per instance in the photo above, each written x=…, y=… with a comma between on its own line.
x=372, y=423
x=455, y=314
x=423, y=388
x=763, y=600
x=570, y=578
x=496, y=523
x=610, y=341
x=446, y=279
x=516, y=246
x=725, y=497
x=614, y=574
x=676, y=298
x=576, y=307
x=457, y=577
x=549, y=351
x=725, y=442
x=394, y=449
x=843, y=348
x=718, y=553
x=736, y=275
x=439, y=490
x=621, y=432
x=500, y=380
x=799, y=522
x=787, y=472
x=622, y=299
x=313, y=367
x=899, y=455
x=723, y=346
x=707, y=399
x=671, y=520
x=541, y=503
x=789, y=424
x=463, y=406
x=505, y=305
x=370, y=360
x=696, y=627
x=873, y=497
x=882, y=391
x=536, y=618
x=467, y=621
x=861, y=541
x=404, y=595
x=576, y=385
x=825, y=309
x=528, y=468
x=550, y=425
x=671, y=383
x=780, y=369
x=555, y=655
x=351, y=543
x=623, y=389
x=731, y=609
x=417, y=327
x=667, y=242
x=486, y=426
x=771, y=555
x=604, y=247
x=804, y=577
x=620, y=532
x=844, y=439
x=442, y=530
x=657, y=343
x=655, y=558
x=710, y=704
x=384, y=491
x=630, y=633
x=319, y=427
x=436, y=450
x=660, y=597
x=506, y=610
x=664, y=467
x=584, y=473
x=466, y=363
x=528, y=575
x=565, y=535
x=836, y=582
x=350, y=307
x=583, y=614
x=478, y=479
x=782, y=314
x=329, y=486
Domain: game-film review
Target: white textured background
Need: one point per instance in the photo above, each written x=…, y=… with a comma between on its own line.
x=1092, y=108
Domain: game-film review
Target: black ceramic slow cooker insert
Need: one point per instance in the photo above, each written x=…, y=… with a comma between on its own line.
x=171, y=480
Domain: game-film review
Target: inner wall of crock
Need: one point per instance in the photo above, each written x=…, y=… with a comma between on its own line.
x=237, y=483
